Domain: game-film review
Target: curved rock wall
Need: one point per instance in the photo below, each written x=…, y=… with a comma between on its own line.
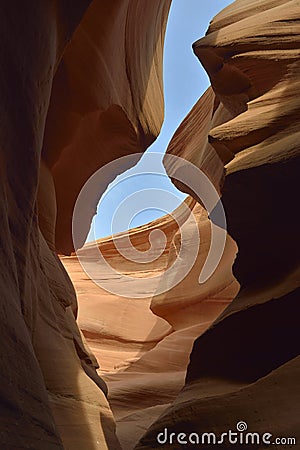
x=105, y=100
x=144, y=356
x=246, y=366
x=81, y=85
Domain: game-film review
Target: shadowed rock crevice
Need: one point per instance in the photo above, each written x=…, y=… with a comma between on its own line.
x=247, y=355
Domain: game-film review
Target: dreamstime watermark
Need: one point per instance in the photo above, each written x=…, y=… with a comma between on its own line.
x=239, y=436
x=121, y=283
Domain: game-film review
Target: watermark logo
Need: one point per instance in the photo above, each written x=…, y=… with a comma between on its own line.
x=239, y=436
x=120, y=283
x=241, y=426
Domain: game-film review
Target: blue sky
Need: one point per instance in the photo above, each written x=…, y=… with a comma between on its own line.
x=184, y=82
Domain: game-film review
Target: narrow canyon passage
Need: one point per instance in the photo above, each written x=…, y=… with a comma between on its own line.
x=143, y=355
x=187, y=358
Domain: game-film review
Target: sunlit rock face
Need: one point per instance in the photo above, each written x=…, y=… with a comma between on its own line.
x=246, y=366
x=106, y=101
x=143, y=354
x=80, y=85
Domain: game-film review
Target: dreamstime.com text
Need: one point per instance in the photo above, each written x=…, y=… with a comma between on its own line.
x=240, y=436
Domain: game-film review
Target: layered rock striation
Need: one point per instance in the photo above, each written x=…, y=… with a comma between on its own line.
x=246, y=366
x=143, y=354
x=80, y=86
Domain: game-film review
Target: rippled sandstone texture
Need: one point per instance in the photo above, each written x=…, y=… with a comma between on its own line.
x=246, y=366
x=105, y=102
x=80, y=85
x=144, y=356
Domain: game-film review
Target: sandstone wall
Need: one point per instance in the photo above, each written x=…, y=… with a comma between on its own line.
x=80, y=85
x=144, y=354
x=246, y=366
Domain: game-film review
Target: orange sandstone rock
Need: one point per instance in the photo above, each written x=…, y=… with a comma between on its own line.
x=246, y=366
x=75, y=93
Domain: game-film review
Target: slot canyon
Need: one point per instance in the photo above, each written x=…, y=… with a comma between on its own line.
x=83, y=368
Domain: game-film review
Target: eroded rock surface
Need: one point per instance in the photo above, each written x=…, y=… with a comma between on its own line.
x=81, y=86
x=246, y=366
x=92, y=62
x=106, y=101
x=144, y=356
